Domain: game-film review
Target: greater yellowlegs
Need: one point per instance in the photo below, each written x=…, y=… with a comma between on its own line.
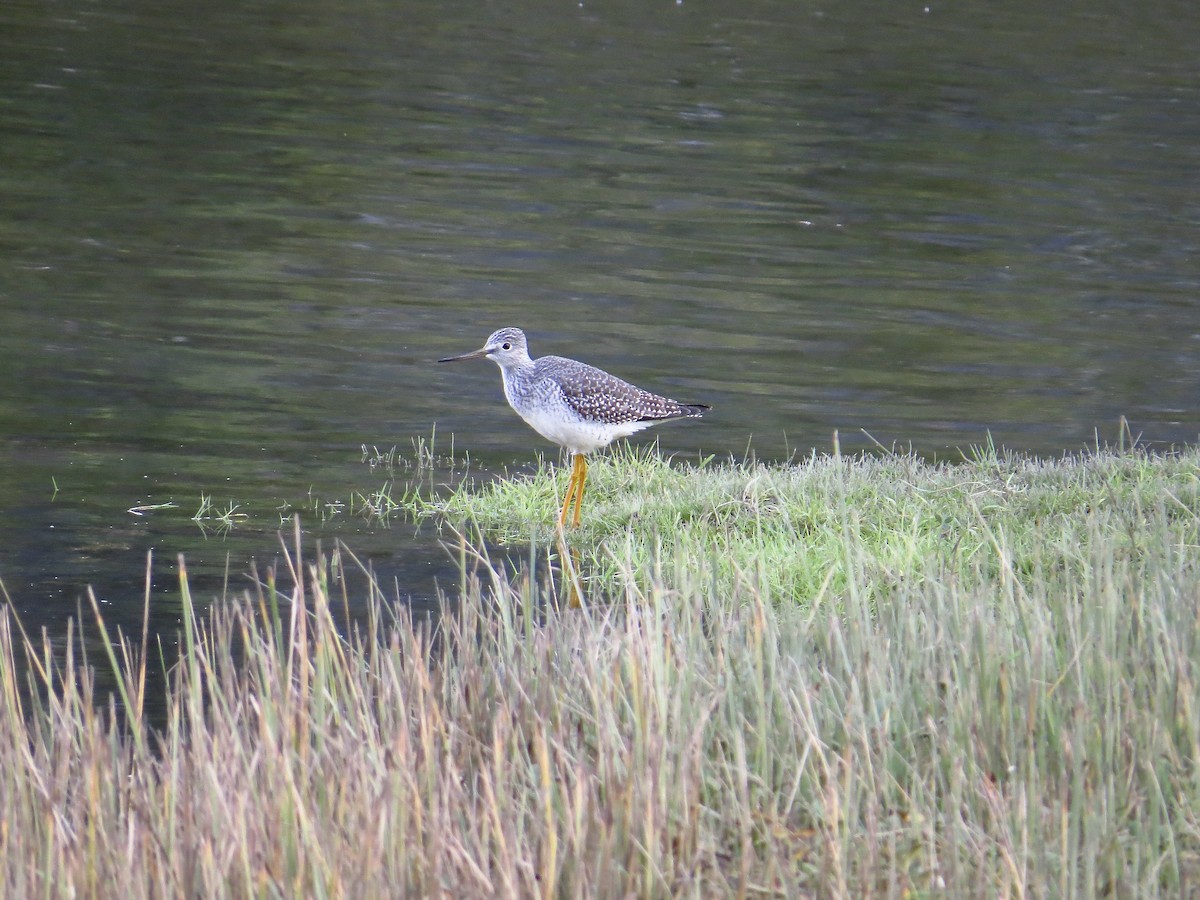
x=575, y=405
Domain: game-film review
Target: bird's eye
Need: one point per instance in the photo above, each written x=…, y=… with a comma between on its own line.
x=506, y=346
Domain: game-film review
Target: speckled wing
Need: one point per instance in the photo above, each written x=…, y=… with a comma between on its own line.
x=599, y=397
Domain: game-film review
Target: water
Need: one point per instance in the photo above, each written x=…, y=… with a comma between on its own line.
x=236, y=236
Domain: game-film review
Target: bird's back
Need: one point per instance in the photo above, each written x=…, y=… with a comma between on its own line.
x=597, y=396
x=582, y=407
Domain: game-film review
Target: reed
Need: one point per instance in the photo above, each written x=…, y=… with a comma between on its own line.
x=979, y=681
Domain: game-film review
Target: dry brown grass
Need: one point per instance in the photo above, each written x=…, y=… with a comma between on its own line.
x=1005, y=727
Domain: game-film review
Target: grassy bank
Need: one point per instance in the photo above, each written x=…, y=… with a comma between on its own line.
x=841, y=678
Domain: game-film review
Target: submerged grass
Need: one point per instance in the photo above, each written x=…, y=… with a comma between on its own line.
x=844, y=678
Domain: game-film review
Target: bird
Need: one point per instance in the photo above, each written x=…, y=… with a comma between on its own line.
x=575, y=405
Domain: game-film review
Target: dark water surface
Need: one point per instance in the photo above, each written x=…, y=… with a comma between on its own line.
x=235, y=236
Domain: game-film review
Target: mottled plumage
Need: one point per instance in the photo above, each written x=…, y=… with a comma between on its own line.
x=575, y=405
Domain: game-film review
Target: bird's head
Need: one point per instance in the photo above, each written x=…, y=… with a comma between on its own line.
x=505, y=347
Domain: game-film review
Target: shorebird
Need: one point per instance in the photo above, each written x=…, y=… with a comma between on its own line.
x=575, y=405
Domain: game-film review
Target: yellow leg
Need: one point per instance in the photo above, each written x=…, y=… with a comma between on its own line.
x=574, y=490
x=562, y=518
x=581, y=465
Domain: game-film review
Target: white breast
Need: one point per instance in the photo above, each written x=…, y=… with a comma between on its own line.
x=576, y=436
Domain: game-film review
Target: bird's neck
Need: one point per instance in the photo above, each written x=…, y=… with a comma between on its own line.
x=515, y=372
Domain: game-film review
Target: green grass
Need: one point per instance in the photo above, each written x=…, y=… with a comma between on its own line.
x=842, y=678
x=798, y=533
